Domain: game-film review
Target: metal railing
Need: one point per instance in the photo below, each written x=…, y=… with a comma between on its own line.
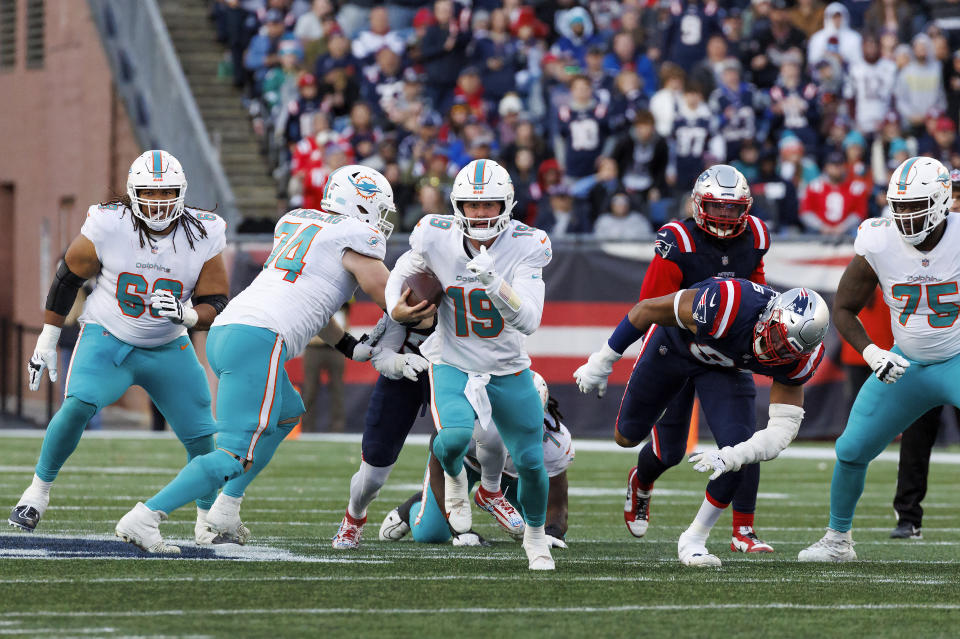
x=13, y=354
x=162, y=109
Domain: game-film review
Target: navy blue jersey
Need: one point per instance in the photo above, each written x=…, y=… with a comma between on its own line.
x=726, y=312
x=583, y=131
x=701, y=256
x=692, y=134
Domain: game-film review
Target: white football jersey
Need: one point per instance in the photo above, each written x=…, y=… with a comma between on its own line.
x=130, y=272
x=920, y=288
x=303, y=282
x=558, y=451
x=873, y=91
x=471, y=335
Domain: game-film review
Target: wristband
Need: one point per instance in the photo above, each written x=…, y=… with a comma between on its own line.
x=346, y=345
x=624, y=335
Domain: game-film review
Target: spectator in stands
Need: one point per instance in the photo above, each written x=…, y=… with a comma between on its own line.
x=236, y=25
x=556, y=215
x=836, y=37
x=665, y=102
x=628, y=100
x=748, y=160
x=353, y=16
x=430, y=200
x=621, y=222
x=443, y=53
x=836, y=202
x=734, y=104
x=527, y=138
x=795, y=167
x=943, y=144
x=382, y=84
x=807, y=16
x=299, y=114
x=576, y=36
x=529, y=34
x=641, y=156
x=366, y=44
x=509, y=109
x=600, y=78
x=625, y=56
x=598, y=188
x=361, y=134
x=498, y=55
x=793, y=102
x=855, y=152
x=951, y=84
x=872, y=79
x=894, y=16
x=919, y=85
x=696, y=142
x=280, y=83
x=691, y=24
x=583, y=128
x=471, y=91
x=770, y=43
x=707, y=72
x=774, y=199
x=264, y=50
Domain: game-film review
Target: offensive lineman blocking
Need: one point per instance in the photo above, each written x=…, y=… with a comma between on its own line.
x=491, y=270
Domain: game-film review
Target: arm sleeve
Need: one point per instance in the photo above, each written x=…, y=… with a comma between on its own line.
x=521, y=302
x=766, y=444
x=662, y=278
x=758, y=276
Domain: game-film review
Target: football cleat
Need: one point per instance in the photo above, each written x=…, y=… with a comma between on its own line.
x=746, y=540
x=349, y=534
x=141, y=527
x=456, y=502
x=24, y=517
x=694, y=553
x=393, y=528
x=502, y=510
x=202, y=533
x=906, y=530
x=834, y=546
x=636, y=510
x=223, y=522
x=538, y=551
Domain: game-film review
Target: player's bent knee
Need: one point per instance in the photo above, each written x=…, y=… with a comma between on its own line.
x=220, y=466
x=77, y=412
x=622, y=441
x=672, y=457
x=850, y=451
x=530, y=462
x=451, y=442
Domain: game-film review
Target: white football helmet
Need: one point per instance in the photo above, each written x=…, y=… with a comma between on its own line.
x=156, y=169
x=541, y=385
x=793, y=325
x=361, y=192
x=920, y=194
x=482, y=181
x=721, y=201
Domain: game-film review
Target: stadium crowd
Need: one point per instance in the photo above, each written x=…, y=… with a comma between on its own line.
x=604, y=112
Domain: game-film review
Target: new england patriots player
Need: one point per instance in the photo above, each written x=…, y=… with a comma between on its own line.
x=914, y=260
x=721, y=240
x=151, y=255
x=713, y=335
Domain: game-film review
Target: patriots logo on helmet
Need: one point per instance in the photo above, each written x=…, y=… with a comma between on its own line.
x=800, y=302
x=365, y=185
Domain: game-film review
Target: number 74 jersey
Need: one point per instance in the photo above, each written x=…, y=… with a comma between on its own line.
x=920, y=288
x=471, y=335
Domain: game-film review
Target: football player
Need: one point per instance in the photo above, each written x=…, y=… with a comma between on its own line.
x=491, y=270
x=421, y=512
x=721, y=240
x=913, y=258
x=150, y=255
x=713, y=335
x=318, y=259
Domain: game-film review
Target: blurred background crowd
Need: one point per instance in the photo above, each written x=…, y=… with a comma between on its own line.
x=604, y=112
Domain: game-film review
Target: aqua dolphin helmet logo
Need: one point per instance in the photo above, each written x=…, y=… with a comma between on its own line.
x=366, y=186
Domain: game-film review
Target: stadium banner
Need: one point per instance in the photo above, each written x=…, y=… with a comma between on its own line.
x=590, y=286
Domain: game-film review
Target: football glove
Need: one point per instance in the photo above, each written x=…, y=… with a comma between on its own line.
x=483, y=267
x=711, y=459
x=393, y=365
x=886, y=365
x=593, y=375
x=469, y=538
x=44, y=356
x=166, y=304
x=555, y=542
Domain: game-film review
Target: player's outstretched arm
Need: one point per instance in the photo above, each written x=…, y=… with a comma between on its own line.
x=80, y=264
x=786, y=414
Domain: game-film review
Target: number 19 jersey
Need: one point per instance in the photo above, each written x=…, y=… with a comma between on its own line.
x=920, y=288
x=303, y=282
x=471, y=335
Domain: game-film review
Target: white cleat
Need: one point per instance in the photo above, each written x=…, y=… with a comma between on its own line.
x=141, y=527
x=456, y=502
x=694, y=553
x=834, y=546
x=202, y=533
x=538, y=550
x=223, y=521
x=349, y=534
x=393, y=528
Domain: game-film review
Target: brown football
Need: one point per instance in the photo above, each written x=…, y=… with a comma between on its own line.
x=424, y=286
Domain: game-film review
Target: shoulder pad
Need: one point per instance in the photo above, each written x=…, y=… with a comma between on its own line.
x=873, y=235
x=716, y=306
x=761, y=234
x=806, y=367
x=672, y=239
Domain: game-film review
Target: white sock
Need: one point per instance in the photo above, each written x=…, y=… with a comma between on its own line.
x=40, y=487
x=535, y=534
x=492, y=456
x=706, y=517
x=365, y=486
x=836, y=535
x=227, y=505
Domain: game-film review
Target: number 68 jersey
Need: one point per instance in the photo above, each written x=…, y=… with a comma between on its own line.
x=129, y=272
x=303, y=282
x=920, y=288
x=471, y=335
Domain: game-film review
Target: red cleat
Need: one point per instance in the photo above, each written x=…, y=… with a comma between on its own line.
x=745, y=540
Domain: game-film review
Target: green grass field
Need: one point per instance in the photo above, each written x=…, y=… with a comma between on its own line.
x=606, y=585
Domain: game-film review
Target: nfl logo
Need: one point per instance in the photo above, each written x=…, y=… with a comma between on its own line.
x=724, y=260
x=155, y=250
x=924, y=262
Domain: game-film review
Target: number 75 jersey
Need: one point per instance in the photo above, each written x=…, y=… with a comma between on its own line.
x=920, y=288
x=471, y=335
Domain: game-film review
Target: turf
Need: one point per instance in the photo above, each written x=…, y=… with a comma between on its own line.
x=606, y=585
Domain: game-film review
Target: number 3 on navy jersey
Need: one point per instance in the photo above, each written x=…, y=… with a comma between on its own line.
x=288, y=254
x=488, y=322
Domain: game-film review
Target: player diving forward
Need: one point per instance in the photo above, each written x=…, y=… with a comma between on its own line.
x=914, y=259
x=150, y=255
x=318, y=259
x=714, y=334
x=422, y=515
x=491, y=270
x=720, y=240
